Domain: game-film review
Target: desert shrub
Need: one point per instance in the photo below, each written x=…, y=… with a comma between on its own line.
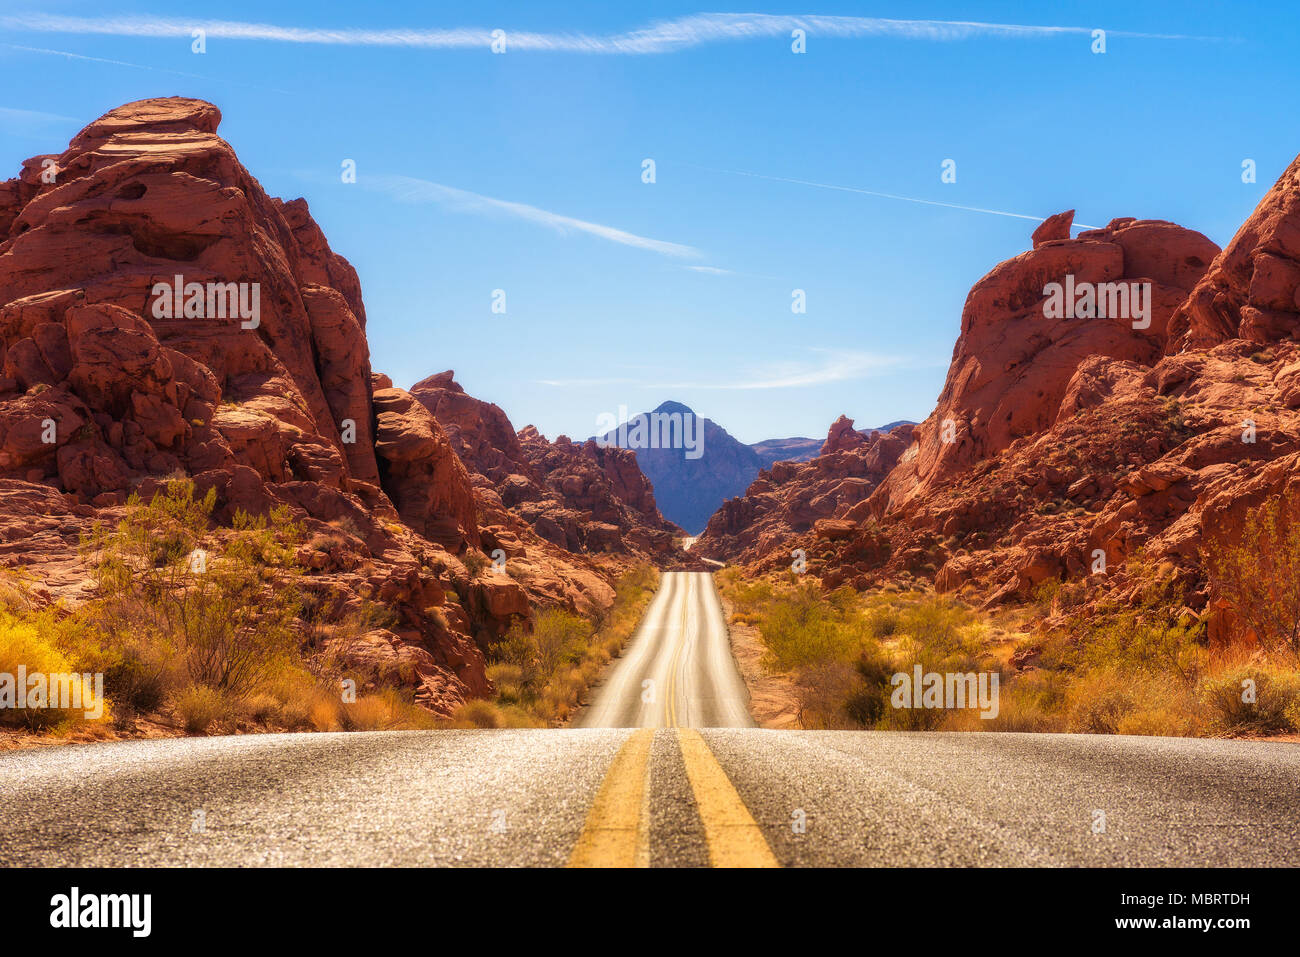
x=822, y=688
x=868, y=702
x=1260, y=576
x=307, y=701
x=478, y=713
x=1098, y=702
x=137, y=680
x=474, y=562
x=1276, y=695
x=801, y=628
x=227, y=604
x=23, y=647
x=199, y=707
x=262, y=707
x=508, y=679
x=541, y=673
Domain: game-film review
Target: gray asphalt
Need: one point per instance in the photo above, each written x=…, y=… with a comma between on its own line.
x=520, y=797
x=678, y=670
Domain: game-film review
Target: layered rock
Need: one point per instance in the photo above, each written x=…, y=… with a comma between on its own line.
x=1251, y=290
x=1076, y=445
x=109, y=383
x=573, y=508
x=1012, y=364
x=791, y=498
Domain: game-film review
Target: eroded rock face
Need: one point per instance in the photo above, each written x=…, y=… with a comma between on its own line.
x=1250, y=292
x=789, y=499
x=577, y=497
x=426, y=481
x=1013, y=363
x=1079, y=441
x=145, y=194
x=102, y=394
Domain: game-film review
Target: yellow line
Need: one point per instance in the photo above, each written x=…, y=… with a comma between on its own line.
x=734, y=838
x=616, y=830
x=670, y=698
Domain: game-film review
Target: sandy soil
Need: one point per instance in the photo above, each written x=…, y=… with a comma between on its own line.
x=772, y=699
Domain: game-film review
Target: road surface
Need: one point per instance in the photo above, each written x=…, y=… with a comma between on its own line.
x=662, y=791
x=678, y=670
x=660, y=797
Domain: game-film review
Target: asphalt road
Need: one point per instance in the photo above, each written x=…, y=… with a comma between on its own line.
x=744, y=797
x=656, y=788
x=678, y=670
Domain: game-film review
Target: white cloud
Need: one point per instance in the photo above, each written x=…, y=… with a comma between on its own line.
x=408, y=189
x=660, y=37
x=10, y=114
x=826, y=366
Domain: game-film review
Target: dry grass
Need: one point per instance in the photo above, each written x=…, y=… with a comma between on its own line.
x=1116, y=670
x=217, y=649
x=541, y=674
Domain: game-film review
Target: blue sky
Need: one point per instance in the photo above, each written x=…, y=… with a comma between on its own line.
x=522, y=172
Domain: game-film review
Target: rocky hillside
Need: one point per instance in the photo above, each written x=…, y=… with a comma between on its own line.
x=578, y=498
x=1058, y=439
x=790, y=498
x=161, y=316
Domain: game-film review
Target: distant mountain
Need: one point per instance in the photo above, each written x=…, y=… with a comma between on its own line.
x=695, y=464
x=798, y=449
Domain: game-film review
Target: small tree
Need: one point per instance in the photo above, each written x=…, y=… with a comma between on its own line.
x=1260, y=576
x=225, y=601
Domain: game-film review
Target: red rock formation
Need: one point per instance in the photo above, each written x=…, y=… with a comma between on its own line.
x=421, y=473
x=101, y=394
x=1012, y=365
x=1080, y=439
x=580, y=498
x=842, y=437
x=1251, y=290
x=1053, y=228
x=790, y=498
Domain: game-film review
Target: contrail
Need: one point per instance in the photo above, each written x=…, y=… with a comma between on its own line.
x=409, y=189
x=136, y=66
x=660, y=37
x=872, y=192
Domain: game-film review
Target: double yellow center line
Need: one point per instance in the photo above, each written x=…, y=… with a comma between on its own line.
x=617, y=832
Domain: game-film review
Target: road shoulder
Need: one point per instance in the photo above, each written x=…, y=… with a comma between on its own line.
x=772, y=699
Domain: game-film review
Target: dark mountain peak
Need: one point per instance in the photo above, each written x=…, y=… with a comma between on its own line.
x=670, y=407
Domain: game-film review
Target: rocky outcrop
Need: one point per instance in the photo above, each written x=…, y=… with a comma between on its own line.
x=422, y=475
x=1016, y=355
x=565, y=517
x=577, y=496
x=789, y=499
x=1063, y=448
x=161, y=316
x=1250, y=292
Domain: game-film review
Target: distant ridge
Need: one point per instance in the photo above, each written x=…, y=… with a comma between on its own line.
x=689, y=490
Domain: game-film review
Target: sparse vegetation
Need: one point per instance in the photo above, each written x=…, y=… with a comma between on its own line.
x=541, y=674
x=202, y=628
x=1139, y=667
x=1260, y=576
